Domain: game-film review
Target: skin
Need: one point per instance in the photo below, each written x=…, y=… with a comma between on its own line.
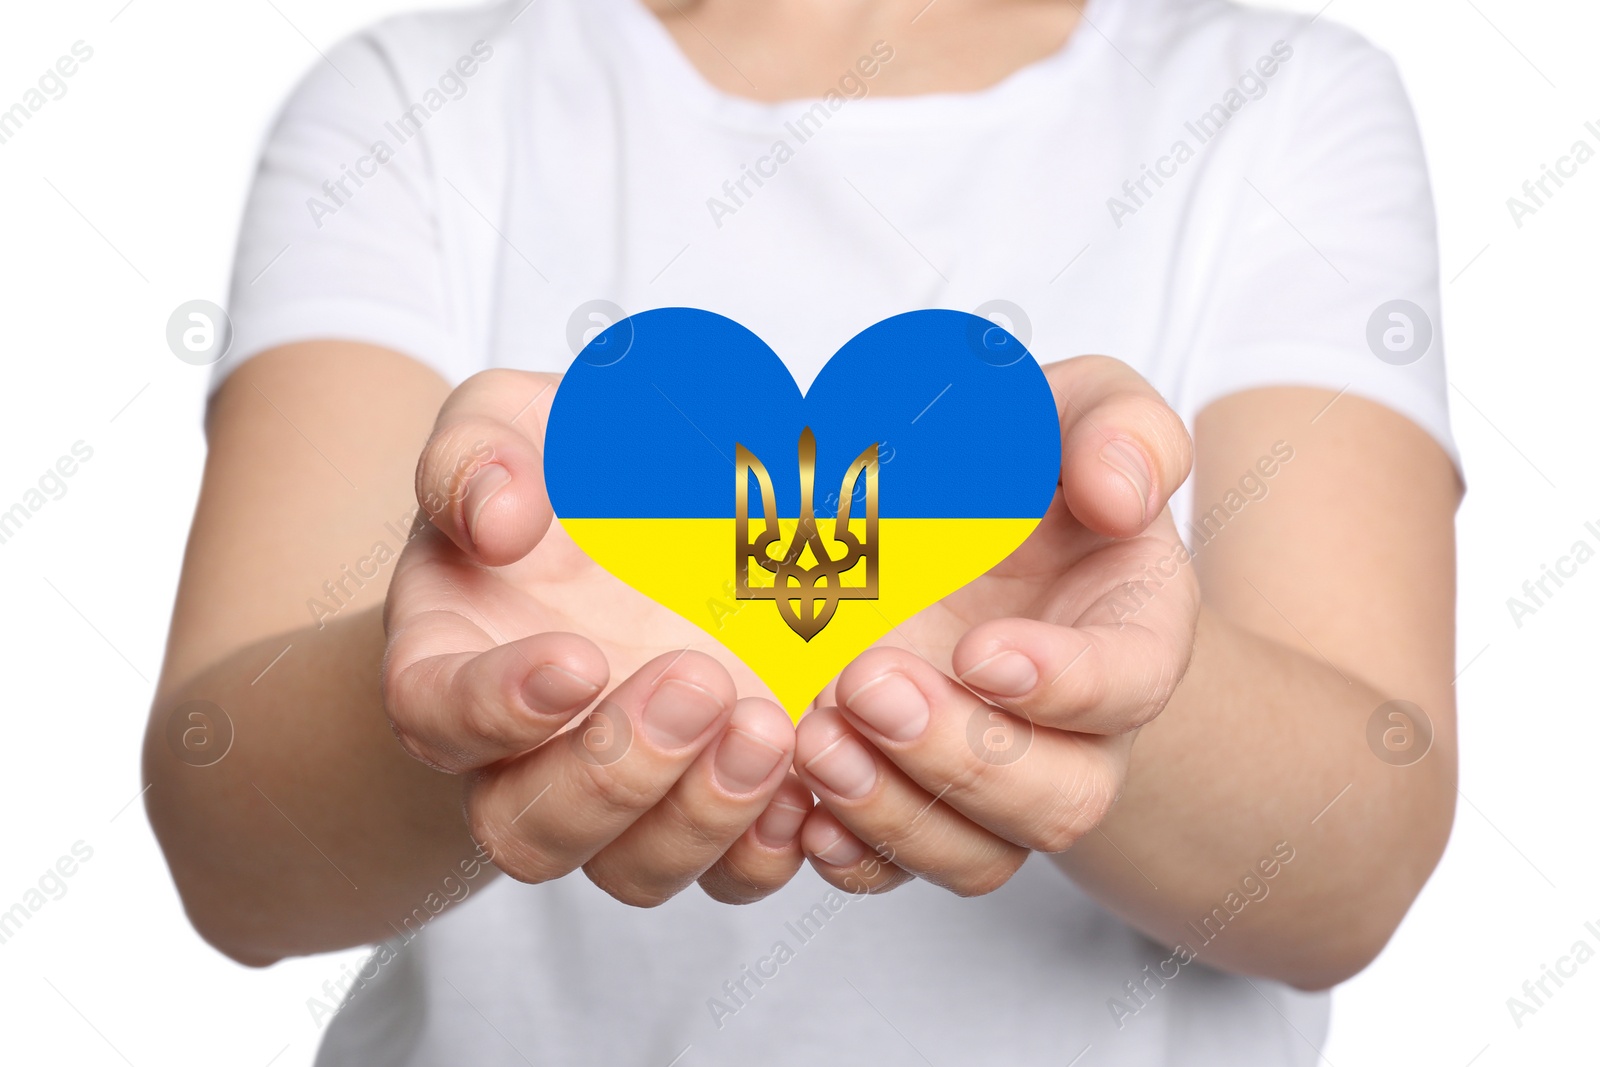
x=947, y=46
x=493, y=696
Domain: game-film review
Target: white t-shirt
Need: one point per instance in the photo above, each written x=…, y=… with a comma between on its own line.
x=1223, y=198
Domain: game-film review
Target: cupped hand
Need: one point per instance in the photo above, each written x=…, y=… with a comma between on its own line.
x=503, y=639
x=999, y=721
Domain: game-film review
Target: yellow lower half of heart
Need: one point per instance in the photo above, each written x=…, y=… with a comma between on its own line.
x=689, y=565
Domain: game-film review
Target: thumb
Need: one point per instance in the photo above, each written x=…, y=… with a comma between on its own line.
x=480, y=479
x=1124, y=451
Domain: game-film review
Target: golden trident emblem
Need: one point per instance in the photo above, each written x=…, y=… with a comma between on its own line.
x=807, y=594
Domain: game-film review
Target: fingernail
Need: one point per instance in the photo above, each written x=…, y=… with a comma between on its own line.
x=744, y=761
x=1129, y=462
x=846, y=768
x=892, y=705
x=489, y=480
x=843, y=851
x=678, y=712
x=779, y=823
x=1005, y=674
x=551, y=689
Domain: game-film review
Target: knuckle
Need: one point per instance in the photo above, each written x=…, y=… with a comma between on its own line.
x=890, y=846
x=506, y=848
x=1081, y=810
x=1055, y=836
x=483, y=722
x=413, y=741
x=397, y=682
x=1082, y=682
x=969, y=776
x=612, y=787
x=1146, y=710
x=1098, y=806
x=986, y=878
x=703, y=829
x=1153, y=699
x=1096, y=685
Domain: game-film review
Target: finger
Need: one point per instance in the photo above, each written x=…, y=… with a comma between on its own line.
x=461, y=710
x=1100, y=679
x=902, y=821
x=717, y=799
x=1124, y=451
x=550, y=811
x=1037, y=788
x=765, y=856
x=481, y=475
x=844, y=861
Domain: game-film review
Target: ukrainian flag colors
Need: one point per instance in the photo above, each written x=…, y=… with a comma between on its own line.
x=640, y=461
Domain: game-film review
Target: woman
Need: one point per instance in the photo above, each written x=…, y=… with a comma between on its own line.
x=1231, y=205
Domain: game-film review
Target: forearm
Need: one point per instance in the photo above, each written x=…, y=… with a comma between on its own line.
x=316, y=830
x=1264, y=750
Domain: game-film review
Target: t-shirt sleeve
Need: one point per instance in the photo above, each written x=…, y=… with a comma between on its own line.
x=1330, y=274
x=340, y=238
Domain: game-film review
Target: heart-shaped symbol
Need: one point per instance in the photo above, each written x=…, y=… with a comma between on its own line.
x=798, y=529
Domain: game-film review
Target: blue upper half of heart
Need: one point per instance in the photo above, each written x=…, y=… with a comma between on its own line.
x=647, y=421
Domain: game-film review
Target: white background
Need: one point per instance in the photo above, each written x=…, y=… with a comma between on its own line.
x=121, y=200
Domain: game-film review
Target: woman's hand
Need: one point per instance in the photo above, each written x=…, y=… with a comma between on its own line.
x=999, y=721
x=1063, y=651
x=669, y=779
